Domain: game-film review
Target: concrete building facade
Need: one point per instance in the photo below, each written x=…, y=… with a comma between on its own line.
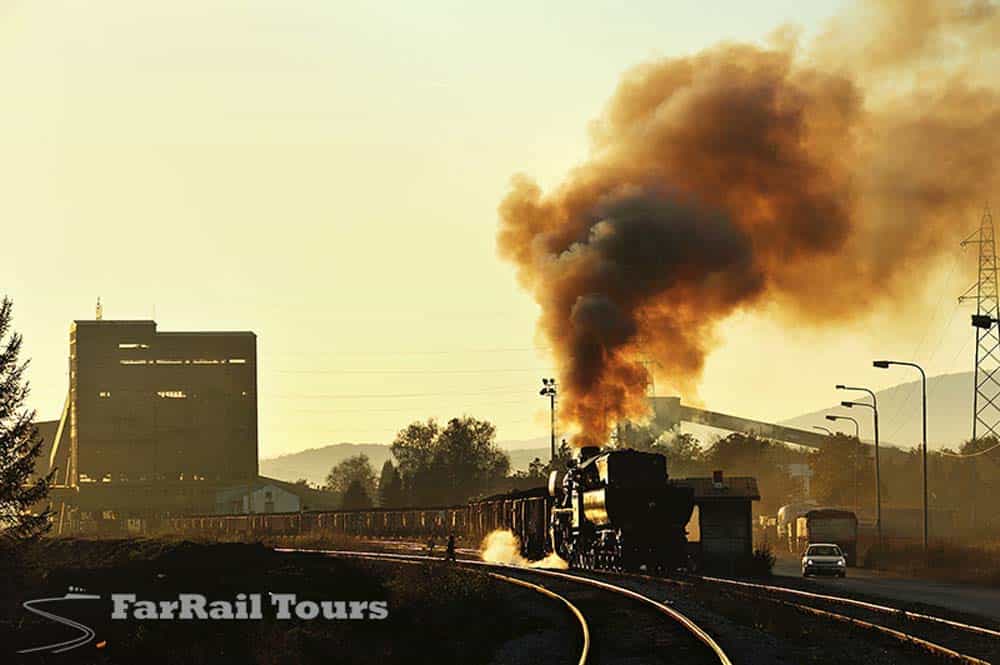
x=153, y=407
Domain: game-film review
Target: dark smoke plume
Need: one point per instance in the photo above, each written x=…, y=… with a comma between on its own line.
x=749, y=177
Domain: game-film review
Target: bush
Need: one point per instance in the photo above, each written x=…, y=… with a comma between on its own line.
x=759, y=564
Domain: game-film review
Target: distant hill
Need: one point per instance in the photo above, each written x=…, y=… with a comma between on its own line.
x=313, y=464
x=949, y=422
x=949, y=413
x=520, y=459
x=537, y=443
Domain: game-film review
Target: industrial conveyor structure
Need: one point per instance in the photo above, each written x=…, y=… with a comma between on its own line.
x=669, y=413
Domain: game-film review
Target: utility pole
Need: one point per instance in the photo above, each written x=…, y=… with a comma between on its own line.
x=986, y=387
x=854, y=455
x=884, y=364
x=549, y=390
x=878, y=475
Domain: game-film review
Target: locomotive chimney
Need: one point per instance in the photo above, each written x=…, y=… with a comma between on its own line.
x=589, y=451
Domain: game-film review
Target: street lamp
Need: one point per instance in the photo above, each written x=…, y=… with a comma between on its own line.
x=823, y=429
x=854, y=461
x=878, y=477
x=549, y=390
x=884, y=364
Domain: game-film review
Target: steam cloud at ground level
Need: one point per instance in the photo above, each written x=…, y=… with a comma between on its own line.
x=502, y=546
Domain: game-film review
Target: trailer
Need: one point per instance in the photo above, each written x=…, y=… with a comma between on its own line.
x=829, y=525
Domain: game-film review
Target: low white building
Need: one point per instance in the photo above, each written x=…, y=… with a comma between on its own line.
x=257, y=497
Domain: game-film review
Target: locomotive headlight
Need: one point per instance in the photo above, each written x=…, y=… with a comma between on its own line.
x=809, y=562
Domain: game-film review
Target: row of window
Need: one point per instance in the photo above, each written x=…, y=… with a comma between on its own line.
x=162, y=477
x=176, y=361
x=165, y=394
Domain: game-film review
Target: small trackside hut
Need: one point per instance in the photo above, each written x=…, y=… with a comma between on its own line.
x=720, y=531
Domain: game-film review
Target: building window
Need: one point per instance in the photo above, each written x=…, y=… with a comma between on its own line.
x=237, y=361
x=131, y=362
x=104, y=394
x=171, y=394
x=132, y=345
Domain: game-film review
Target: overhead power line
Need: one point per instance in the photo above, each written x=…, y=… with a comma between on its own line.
x=975, y=454
x=414, y=371
x=435, y=352
x=495, y=391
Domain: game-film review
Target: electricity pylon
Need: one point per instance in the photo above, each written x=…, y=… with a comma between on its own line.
x=986, y=391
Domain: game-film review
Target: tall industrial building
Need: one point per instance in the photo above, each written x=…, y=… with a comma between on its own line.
x=155, y=423
x=150, y=407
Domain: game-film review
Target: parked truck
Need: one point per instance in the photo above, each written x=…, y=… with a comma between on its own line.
x=829, y=525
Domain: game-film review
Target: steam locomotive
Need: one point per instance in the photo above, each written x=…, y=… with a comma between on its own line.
x=617, y=510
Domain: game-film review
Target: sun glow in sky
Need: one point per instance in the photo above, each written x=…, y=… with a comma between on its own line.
x=326, y=174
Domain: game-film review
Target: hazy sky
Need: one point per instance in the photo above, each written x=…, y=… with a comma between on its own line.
x=327, y=174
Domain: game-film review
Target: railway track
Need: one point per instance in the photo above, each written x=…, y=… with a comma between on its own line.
x=621, y=625
x=955, y=640
x=952, y=640
x=948, y=639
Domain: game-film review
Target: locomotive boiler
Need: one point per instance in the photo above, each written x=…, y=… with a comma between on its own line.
x=618, y=510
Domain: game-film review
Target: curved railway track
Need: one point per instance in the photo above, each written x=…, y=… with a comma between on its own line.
x=627, y=624
x=955, y=640
x=574, y=610
x=952, y=640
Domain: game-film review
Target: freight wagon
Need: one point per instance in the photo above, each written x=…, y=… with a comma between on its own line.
x=609, y=509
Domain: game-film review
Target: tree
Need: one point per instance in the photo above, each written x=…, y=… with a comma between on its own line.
x=20, y=445
x=638, y=436
x=414, y=450
x=843, y=474
x=467, y=459
x=390, y=487
x=741, y=454
x=353, y=469
x=444, y=466
x=356, y=497
x=684, y=454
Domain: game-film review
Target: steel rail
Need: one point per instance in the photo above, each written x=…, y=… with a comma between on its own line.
x=874, y=607
x=677, y=616
x=898, y=634
x=585, y=651
x=896, y=612
x=409, y=559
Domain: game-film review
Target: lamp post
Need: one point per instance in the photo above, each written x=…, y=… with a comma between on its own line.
x=878, y=477
x=854, y=461
x=549, y=390
x=884, y=364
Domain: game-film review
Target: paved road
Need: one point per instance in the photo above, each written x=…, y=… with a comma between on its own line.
x=959, y=597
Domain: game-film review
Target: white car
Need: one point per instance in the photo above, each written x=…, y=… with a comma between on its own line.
x=824, y=559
